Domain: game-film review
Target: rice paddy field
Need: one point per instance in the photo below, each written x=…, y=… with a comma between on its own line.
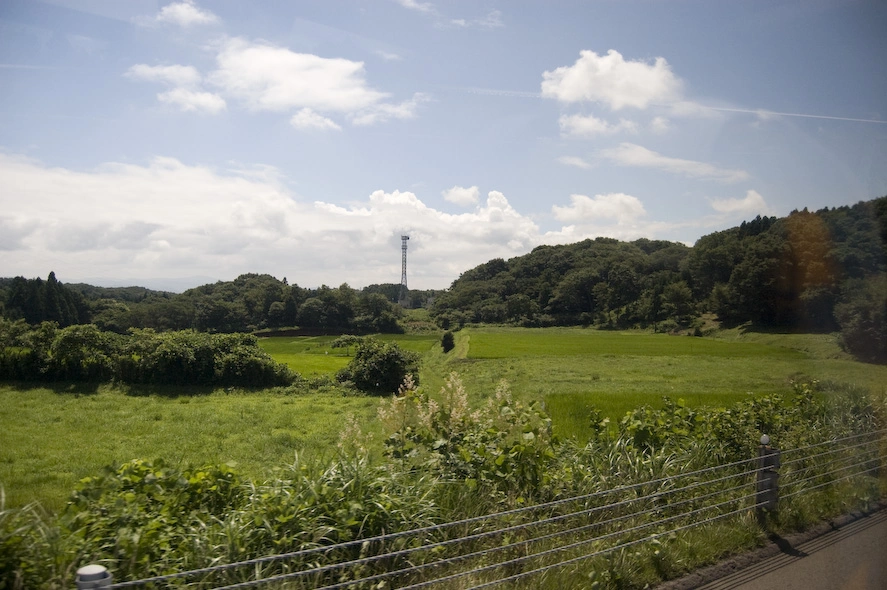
x=52, y=436
x=574, y=371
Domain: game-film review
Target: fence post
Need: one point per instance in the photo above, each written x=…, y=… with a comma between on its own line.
x=93, y=576
x=767, y=488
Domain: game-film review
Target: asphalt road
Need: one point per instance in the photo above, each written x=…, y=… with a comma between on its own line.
x=851, y=557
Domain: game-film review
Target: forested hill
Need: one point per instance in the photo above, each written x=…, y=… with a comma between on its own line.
x=248, y=303
x=812, y=271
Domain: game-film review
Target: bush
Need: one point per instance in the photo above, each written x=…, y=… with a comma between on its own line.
x=379, y=367
x=86, y=353
x=447, y=342
x=504, y=447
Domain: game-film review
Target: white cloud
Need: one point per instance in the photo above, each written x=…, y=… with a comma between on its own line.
x=265, y=77
x=379, y=113
x=174, y=75
x=462, y=196
x=629, y=154
x=660, y=125
x=574, y=161
x=192, y=100
x=388, y=56
x=308, y=119
x=617, y=207
x=185, y=14
x=613, y=81
x=493, y=20
x=170, y=219
x=752, y=204
x=589, y=126
x=273, y=78
x=417, y=6
x=175, y=220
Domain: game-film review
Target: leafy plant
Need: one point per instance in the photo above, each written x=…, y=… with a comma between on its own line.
x=380, y=367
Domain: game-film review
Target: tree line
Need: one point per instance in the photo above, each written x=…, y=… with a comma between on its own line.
x=250, y=302
x=821, y=271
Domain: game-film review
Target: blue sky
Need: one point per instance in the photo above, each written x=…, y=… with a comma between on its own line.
x=170, y=144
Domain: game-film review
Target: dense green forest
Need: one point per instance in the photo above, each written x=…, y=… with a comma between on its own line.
x=822, y=271
x=250, y=302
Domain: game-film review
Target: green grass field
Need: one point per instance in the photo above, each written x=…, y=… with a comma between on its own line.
x=312, y=355
x=50, y=437
x=577, y=370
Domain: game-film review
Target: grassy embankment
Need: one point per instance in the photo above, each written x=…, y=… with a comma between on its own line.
x=52, y=437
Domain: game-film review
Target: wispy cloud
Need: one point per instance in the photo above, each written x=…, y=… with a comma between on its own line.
x=417, y=6
x=574, y=161
x=308, y=119
x=176, y=75
x=767, y=114
x=492, y=20
x=590, y=126
x=629, y=154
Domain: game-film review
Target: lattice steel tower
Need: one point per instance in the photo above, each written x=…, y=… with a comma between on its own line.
x=402, y=299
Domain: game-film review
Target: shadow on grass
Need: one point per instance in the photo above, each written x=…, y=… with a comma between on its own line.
x=168, y=391
x=59, y=387
x=77, y=388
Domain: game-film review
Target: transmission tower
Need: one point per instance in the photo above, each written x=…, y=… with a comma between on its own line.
x=402, y=299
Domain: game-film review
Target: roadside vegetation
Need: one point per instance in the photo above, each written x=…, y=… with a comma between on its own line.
x=441, y=460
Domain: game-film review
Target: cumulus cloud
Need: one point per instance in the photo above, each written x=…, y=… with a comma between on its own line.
x=308, y=119
x=269, y=78
x=590, y=126
x=629, y=154
x=192, y=100
x=174, y=75
x=613, y=81
x=185, y=14
x=752, y=204
x=618, y=207
x=167, y=218
x=266, y=77
x=462, y=196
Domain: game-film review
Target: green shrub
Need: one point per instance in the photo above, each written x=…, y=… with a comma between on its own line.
x=379, y=367
x=505, y=446
x=447, y=341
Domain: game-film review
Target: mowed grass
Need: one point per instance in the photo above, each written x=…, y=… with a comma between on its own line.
x=311, y=356
x=51, y=439
x=577, y=371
